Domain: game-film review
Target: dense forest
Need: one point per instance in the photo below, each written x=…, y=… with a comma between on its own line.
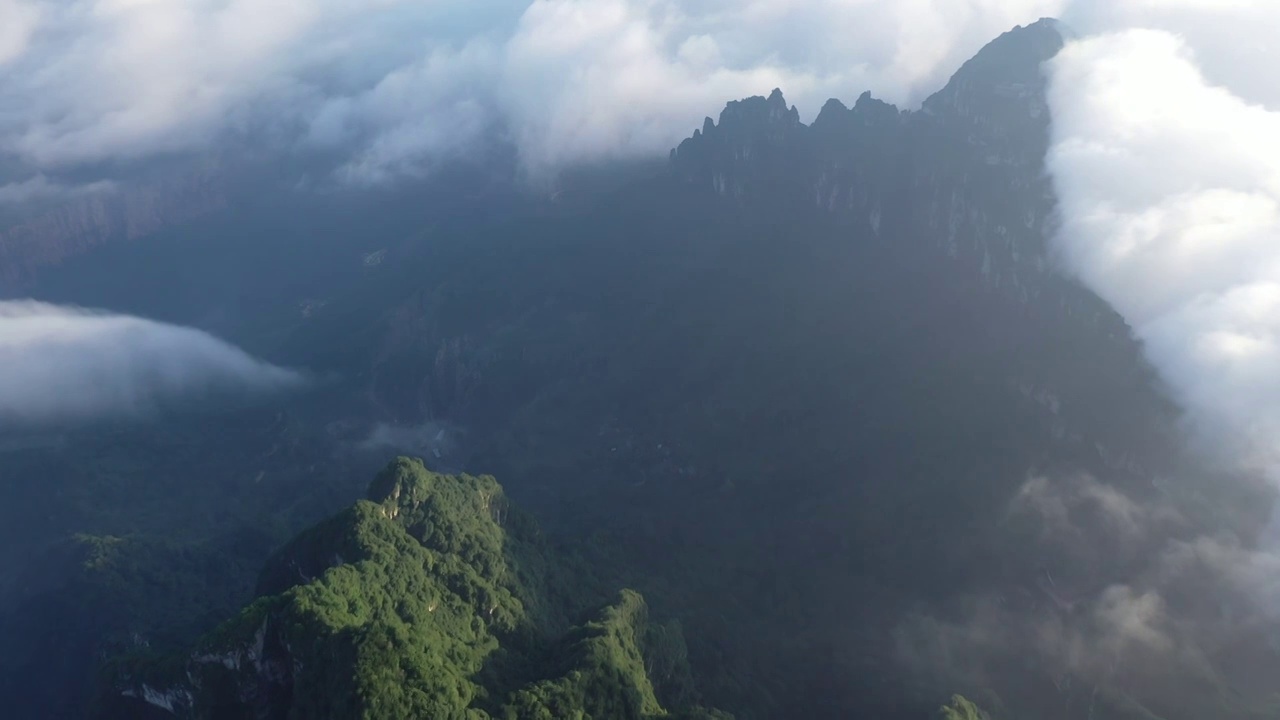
x=432, y=598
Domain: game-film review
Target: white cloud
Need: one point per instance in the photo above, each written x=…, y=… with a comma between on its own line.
x=1059, y=506
x=575, y=80
x=1166, y=158
x=1111, y=595
x=18, y=20
x=591, y=79
x=66, y=364
x=129, y=78
x=586, y=80
x=1166, y=147
x=1231, y=39
x=1170, y=199
x=417, y=113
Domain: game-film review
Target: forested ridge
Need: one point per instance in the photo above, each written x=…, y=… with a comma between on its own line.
x=434, y=597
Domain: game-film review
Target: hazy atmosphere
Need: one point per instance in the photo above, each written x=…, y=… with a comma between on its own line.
x=938, y=367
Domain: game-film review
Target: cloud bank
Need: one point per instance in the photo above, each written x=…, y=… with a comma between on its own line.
x=1166, y=157
x=395, y=85
x=70, y=365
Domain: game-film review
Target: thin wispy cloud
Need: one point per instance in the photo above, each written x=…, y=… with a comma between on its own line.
x=72, y=365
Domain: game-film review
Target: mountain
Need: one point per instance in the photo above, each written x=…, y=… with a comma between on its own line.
x=817, y=392
x=433, y=598
x=965, y=173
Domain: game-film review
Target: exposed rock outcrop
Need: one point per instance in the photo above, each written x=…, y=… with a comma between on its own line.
x=53, y=235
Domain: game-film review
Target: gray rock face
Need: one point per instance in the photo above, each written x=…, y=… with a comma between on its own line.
x=965, y=173
x=54, y=234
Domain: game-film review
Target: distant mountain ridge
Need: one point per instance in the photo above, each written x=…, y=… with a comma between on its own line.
x=990, y=90
x=965, y=172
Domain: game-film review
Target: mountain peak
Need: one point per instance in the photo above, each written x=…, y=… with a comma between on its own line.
x=1007, y=67
x=997, y=100
x=760, y=112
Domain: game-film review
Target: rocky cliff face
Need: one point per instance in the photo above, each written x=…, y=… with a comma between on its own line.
x=964, y=174
x=51, y=236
